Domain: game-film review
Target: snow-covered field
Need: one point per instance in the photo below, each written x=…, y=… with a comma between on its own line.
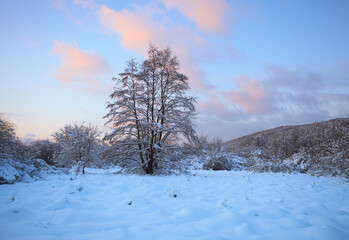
x=205, y=205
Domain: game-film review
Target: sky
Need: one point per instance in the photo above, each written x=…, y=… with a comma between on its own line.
x=252, y=65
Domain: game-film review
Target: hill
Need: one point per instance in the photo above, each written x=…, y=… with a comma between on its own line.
x=321, y=147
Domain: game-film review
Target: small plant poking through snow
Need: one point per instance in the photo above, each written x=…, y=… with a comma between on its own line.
x=12, y=198
x=48, y=222
x=80, y=188
x=174, y=192
x=224, y=204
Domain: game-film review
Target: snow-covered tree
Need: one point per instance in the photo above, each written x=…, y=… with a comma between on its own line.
x=43, y=149
x=7, y=135
x=10, y=146
x=150, y=109
x=79, y=145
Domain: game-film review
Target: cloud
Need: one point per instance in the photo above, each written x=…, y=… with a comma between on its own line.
x=296, y=88
x=214, y=106
x=190, y=67
x=86, y=3
x=280, y=96
x=293, y=79
x=79, y=67
x=78, y=22
x=277, y=96
x=138, y=29
x=30, y=135
x=10, y=114
x=135, y=31
x=251, y=96
x=207, y=14
x=59, y=4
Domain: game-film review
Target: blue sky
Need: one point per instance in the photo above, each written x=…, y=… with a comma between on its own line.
x=252, y=65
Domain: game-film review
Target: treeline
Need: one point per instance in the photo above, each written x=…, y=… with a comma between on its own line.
x=318, y=148
x=75, y=145
x=80, y=146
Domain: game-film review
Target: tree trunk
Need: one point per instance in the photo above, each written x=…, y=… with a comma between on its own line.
x=149, y=167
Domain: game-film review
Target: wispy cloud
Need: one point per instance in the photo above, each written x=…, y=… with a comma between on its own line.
x=251, y=96
x=138, y=29
x=299, y=79
x=277, y=96
x=30, y=135
x=281, y=96
x=80, y=68
x=86, y=3
x=59, y=4
x=207, y=14
x=10, y=114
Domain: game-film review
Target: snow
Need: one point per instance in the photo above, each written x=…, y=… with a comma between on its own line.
x=204, y=205
x=12, y=170
x=8, y=172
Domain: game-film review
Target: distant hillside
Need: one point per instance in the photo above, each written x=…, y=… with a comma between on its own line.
x=318, y=147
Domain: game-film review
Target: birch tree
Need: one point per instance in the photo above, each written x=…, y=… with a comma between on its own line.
x=150, y=109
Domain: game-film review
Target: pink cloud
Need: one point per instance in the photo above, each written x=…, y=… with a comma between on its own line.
x=137, y=30
x=216, y=105
x=190, y=68
x=209, y=15
x=213, y=105
x=79, y=67
x=251, y=96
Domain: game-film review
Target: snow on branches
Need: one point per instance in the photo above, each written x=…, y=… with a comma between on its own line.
x=79, y=145
x=150, y=109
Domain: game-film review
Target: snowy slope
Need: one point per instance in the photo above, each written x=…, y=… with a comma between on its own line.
x=317, y=148
x=206, y=205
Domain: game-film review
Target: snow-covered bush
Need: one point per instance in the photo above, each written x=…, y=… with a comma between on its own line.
x=13, y=165
x=14, y=170
x=218, y=162
x=78, y=146
x=203, y=153
x=43, y=149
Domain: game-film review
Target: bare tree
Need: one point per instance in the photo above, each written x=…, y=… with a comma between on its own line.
x=150, y=109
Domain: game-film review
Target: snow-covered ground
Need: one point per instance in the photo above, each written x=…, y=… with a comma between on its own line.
x=205, y=205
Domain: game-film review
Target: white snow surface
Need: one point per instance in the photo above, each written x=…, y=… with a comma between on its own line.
x=204, y=205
